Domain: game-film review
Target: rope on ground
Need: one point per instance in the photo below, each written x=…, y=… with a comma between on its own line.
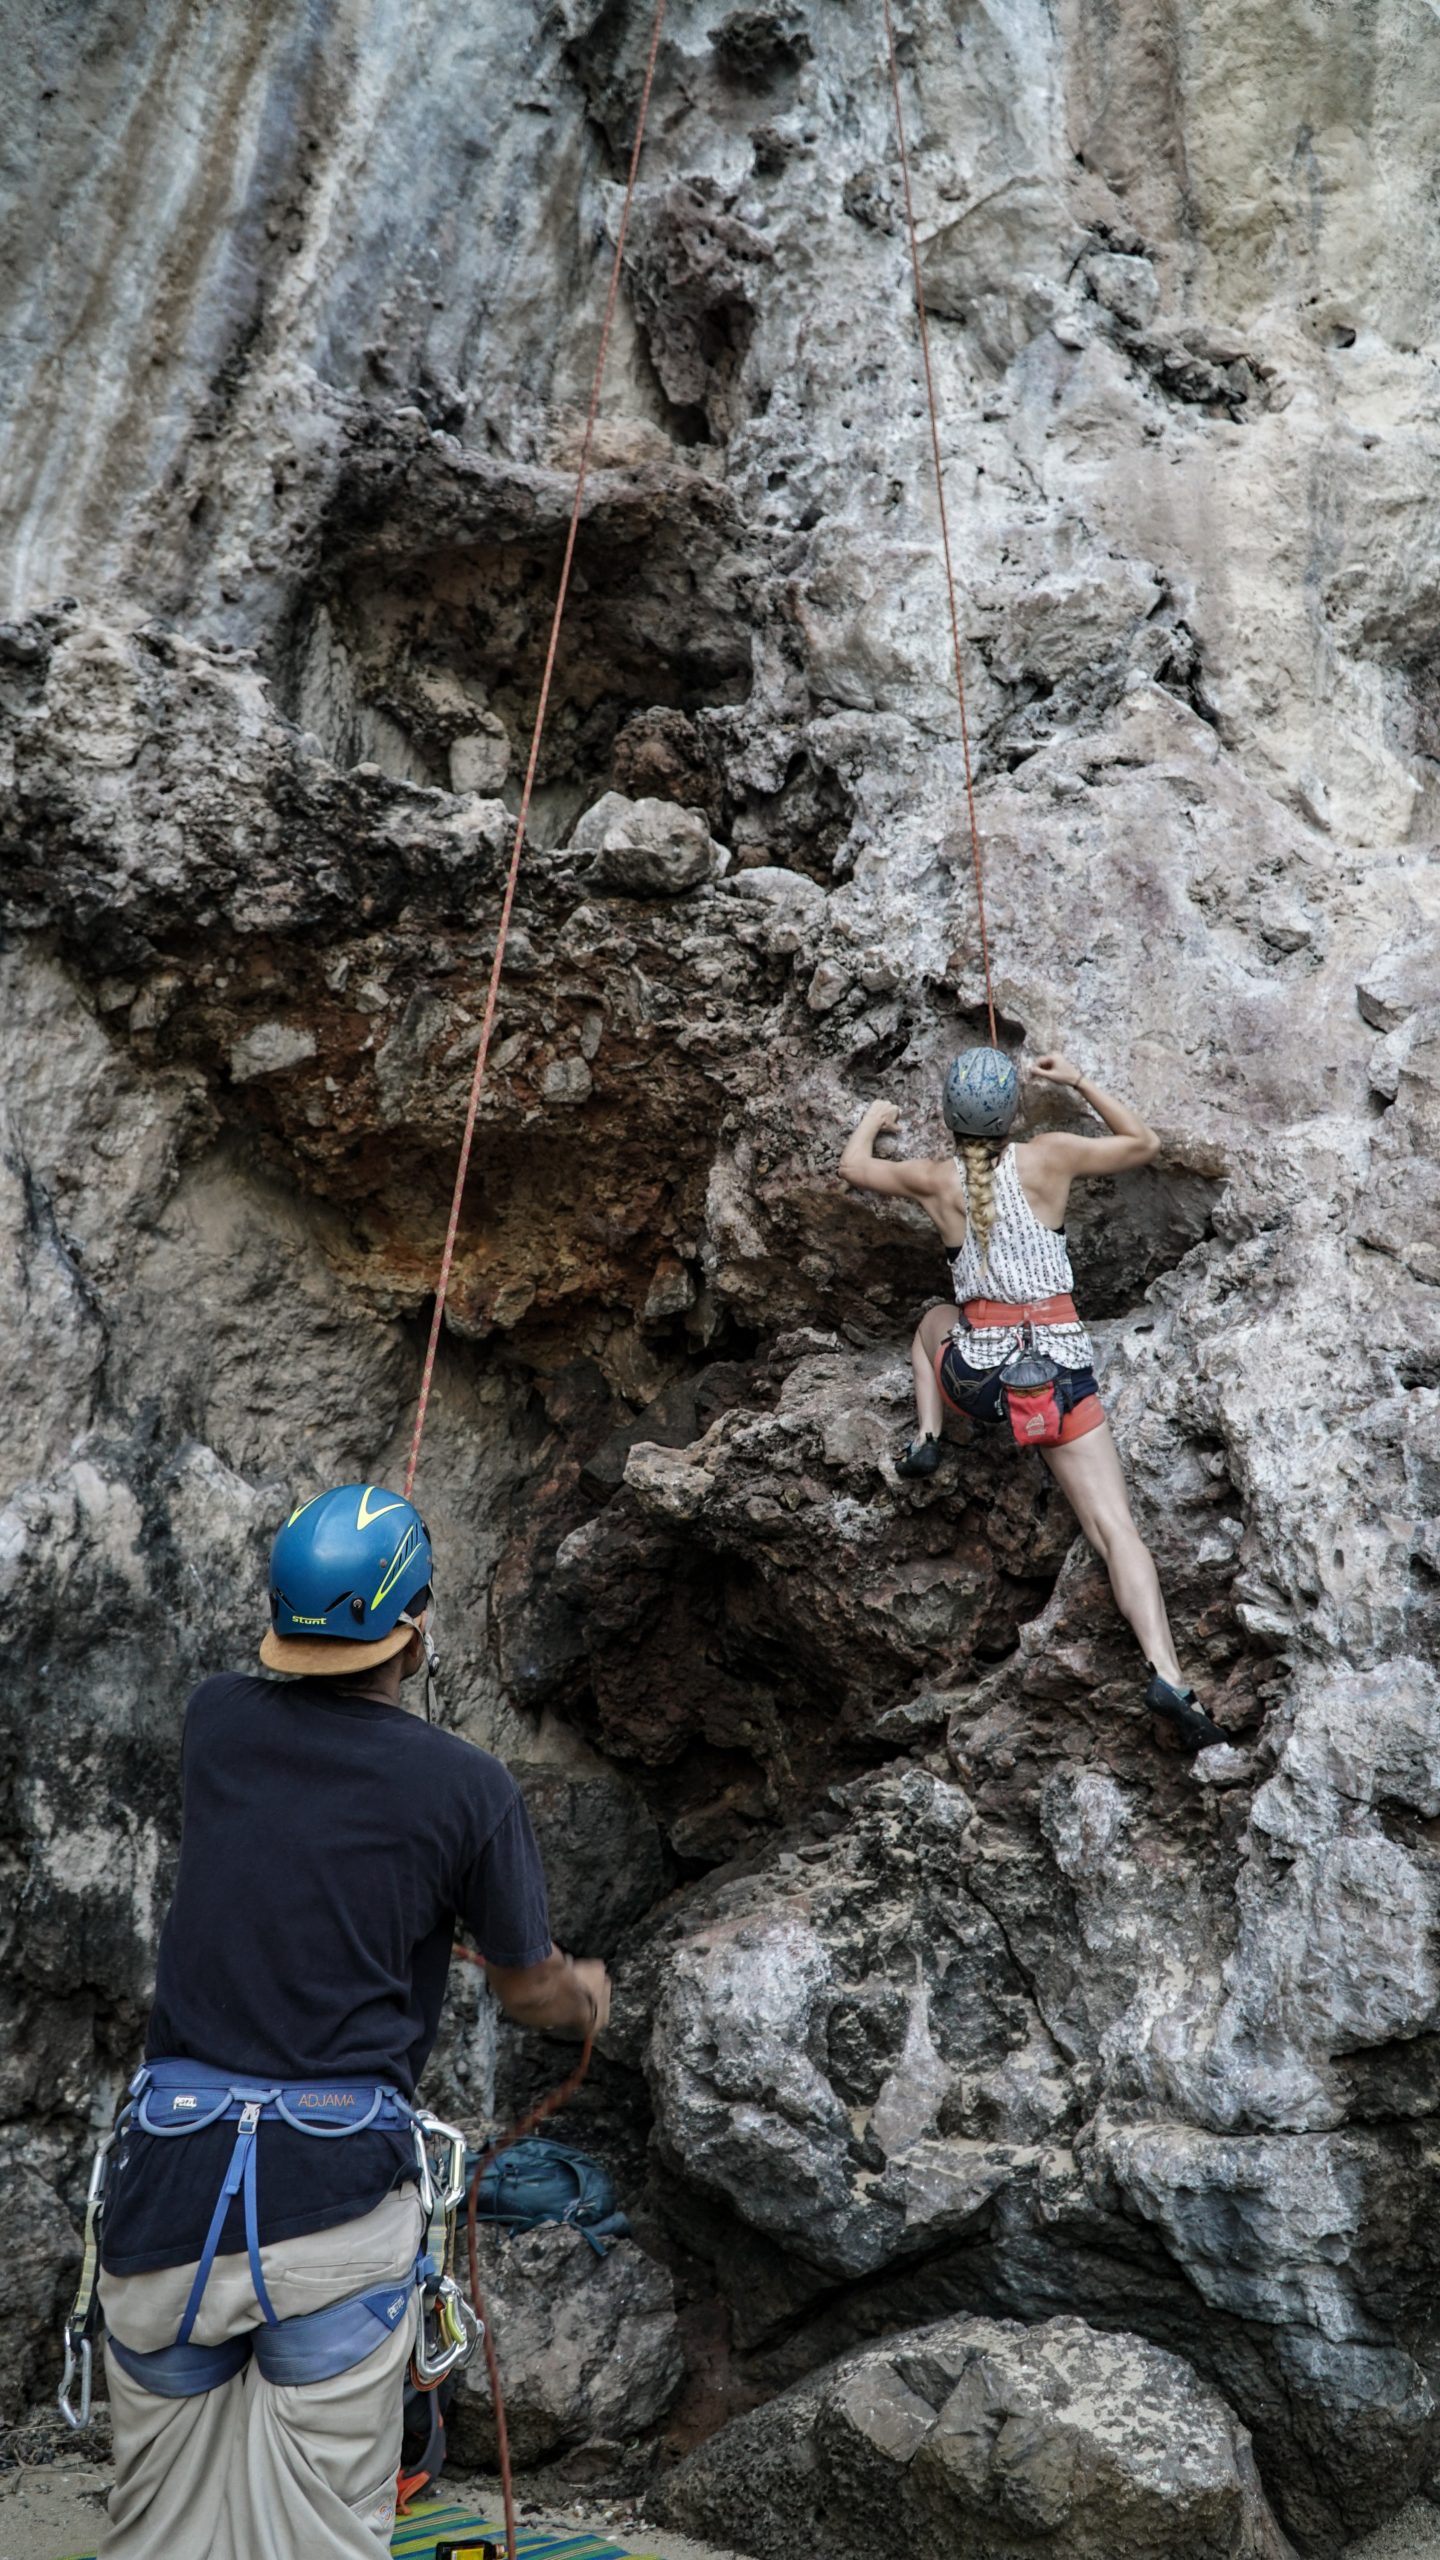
x=924, y=326
x=517, y=848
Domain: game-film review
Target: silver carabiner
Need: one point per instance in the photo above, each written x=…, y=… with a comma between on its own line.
x=79, y=2356
x=456, y=2323
x=428, y=2129
x=99, y=2172
x=76, y=2362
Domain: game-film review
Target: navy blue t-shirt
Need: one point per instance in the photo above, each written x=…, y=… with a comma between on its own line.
x=329, y=1846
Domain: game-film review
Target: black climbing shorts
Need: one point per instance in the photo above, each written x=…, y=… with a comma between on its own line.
x=976, y=1393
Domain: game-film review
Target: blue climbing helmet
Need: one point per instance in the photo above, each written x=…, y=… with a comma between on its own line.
x=982, y=1094
x=344, y=1573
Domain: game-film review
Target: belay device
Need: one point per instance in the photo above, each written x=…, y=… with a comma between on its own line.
x=1029, y=1383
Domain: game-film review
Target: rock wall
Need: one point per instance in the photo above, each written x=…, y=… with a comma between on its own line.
x=945, y=1992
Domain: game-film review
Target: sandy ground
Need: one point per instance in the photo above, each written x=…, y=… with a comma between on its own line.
x=52, y=2510
x=52, y=2507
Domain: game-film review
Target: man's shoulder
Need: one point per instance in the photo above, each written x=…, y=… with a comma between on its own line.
x=465, y=1767
x=225, y=1688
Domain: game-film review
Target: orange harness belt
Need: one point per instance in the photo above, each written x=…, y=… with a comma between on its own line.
x=984, y=1312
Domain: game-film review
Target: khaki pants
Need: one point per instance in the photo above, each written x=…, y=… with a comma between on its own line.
x=258, y=2470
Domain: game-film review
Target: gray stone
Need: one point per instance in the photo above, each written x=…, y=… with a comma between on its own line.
x=644, y=848
x=589, y=2346
x=480, y=758
x=977, y=2435
x=1127, y=286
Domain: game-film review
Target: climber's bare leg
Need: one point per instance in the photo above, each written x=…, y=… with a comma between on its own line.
x=929, y=1335
x=1089, y=1475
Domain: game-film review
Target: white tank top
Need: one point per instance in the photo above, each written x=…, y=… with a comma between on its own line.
x=1026, y=1261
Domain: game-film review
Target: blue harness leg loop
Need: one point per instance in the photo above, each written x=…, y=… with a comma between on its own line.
x=182, y=2372
x=316, y=2345
x=313, y=2347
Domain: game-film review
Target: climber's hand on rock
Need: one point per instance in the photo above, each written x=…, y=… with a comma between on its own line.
x=882, y=1116
x=1055, y=1068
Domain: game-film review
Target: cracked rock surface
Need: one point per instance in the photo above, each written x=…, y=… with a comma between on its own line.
x=979, y=2435
x=949, y=1999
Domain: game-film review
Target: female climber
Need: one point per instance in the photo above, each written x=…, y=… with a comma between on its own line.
x=1017, y=1351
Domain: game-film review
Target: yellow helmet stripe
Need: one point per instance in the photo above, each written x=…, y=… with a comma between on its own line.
x=367, y=1512
x=398, y=1562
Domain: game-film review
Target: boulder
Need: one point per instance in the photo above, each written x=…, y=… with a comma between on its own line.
x=841, y=2049
x=979, y=2436
x=588, y=2346
x=644, y=848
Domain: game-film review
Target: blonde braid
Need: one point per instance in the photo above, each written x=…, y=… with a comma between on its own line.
x=980, y=1157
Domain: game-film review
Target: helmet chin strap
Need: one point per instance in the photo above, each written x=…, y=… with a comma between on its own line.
x=432, y=1660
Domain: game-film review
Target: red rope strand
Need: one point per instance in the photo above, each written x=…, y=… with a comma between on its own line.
x=492, y=996
x=535, y=2116
x=557, y=2098
x=923, y=319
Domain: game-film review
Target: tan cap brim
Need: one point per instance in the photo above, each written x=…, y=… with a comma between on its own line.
x=329, y=1657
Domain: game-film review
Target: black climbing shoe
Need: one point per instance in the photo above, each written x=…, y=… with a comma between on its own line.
x=1182, y=1709
x=922, y=1456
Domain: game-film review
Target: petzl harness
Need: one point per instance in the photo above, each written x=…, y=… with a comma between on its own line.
x=170, y=2099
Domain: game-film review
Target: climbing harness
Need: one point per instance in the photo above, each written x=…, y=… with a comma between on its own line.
x=169, y=2099
x=923, y=322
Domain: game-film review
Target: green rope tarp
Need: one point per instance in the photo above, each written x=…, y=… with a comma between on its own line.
x=416, y=2538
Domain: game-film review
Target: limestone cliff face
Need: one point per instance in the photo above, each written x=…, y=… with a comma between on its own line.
x=944, y=1991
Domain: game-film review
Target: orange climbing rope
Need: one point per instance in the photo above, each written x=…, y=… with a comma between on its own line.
x=487, y=1026
x=557, y=2097
x=924, y=325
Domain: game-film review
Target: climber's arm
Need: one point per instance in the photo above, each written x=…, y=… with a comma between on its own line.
x=1132, y=1142
x=911, y=1179
x=557, y=1994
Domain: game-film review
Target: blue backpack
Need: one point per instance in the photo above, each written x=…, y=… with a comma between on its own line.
x=538, y=2181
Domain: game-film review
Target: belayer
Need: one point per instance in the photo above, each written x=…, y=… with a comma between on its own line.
x=272, y=2237
x=1013, y=1351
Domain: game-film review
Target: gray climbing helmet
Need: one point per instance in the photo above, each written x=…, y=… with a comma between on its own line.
x=982, y=1094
